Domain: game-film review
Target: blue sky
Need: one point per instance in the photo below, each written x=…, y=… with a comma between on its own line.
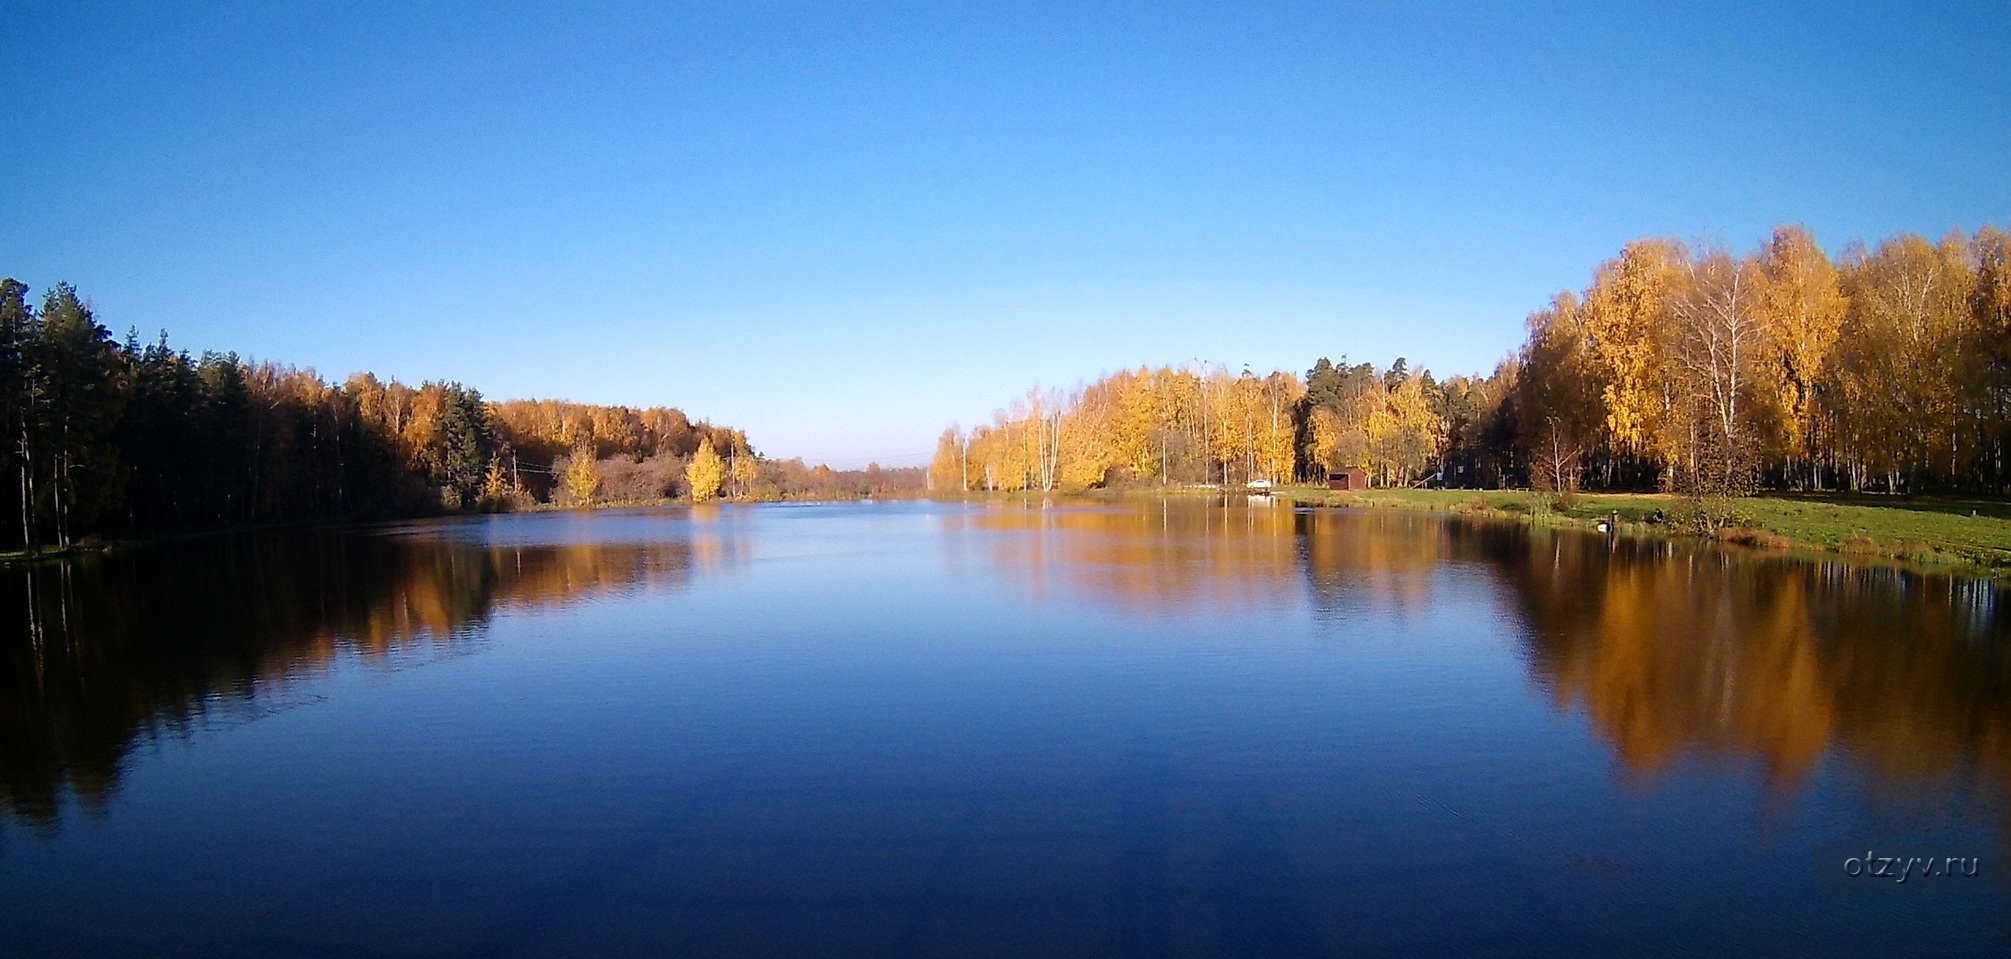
x=843, y=227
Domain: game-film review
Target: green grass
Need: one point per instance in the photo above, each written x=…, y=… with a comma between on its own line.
x=1965, y=533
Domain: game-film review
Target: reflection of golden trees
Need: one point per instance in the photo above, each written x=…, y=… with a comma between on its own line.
x=109, y=651
x=1146, y=556
x=1672, y=652
x=1378, y=559
x=1179, y=553
x=1688, y=655
x=1671, y=649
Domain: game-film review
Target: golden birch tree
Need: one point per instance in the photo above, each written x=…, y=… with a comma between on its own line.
x=1802, y=306
x=705, y=473
x=1625, y=316
x=583, y=475
x=1718, y=339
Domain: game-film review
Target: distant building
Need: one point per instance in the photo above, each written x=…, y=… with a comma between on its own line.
x=1348, y=478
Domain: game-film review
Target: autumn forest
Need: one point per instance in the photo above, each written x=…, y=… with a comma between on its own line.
x=1694, y=370
x=1690, y=370
x=111, y=438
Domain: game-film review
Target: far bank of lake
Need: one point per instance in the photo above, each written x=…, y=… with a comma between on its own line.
x=1959, y=535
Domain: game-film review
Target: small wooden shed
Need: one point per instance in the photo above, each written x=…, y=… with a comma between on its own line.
x=1348, y=478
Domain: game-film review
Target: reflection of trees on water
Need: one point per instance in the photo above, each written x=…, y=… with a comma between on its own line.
x=1145, y=558
x=1191, y=555
x=1188, y=555
x=1670, y=650
x=97, y=655
x=1673, y=651
x=1373, y=563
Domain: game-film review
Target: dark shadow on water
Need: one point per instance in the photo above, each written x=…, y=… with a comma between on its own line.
x=98, y=655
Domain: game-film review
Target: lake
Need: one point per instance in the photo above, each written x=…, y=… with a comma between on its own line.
x=1151, y=728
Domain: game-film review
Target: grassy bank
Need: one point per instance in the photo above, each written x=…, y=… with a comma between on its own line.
x=1960, y=534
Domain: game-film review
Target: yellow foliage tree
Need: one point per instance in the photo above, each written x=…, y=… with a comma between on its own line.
x=495, y=483
x=583, y=475
x=705, y=473
x=1888, y=368
x=1559, y=387
x=1801, y=305
x=1277, y=431
x=1326, y=428
x=1717, y=346
x=1136, y=443
x=1900, y=362
x=948, y=470
x=1404, y=434
x=745, y=468
x=1625, y=322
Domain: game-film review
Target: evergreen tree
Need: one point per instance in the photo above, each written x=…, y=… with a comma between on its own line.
x=463, y=444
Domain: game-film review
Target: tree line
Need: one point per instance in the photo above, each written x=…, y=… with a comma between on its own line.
x=1690, y=369
x=106, y=437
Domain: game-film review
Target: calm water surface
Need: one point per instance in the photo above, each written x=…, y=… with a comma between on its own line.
x=1161, y=729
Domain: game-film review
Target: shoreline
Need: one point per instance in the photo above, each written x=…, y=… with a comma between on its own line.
x=1929, y=534
x=1961, y=536
x=85, y=551
x=1923, y=533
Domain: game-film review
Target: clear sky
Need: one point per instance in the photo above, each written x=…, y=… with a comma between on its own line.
x=843, y=227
